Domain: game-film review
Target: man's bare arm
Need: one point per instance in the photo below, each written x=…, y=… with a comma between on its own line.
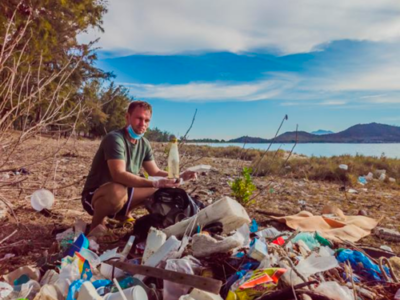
x=120, y=175
x=153, y=170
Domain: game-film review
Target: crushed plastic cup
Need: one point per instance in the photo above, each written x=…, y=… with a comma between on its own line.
x=133, y=293
x=5, y=290
x=107, y=271
x=42, y=199
x=90, y=256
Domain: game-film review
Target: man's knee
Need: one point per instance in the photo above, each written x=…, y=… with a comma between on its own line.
x=111, y=194
x=118, y=191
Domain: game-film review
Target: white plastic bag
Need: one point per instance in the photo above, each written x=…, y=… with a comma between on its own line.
x=335, y=291
x=316, y=263
x=173, y=291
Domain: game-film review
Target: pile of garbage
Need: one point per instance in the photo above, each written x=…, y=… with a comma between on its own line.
x=218, y=253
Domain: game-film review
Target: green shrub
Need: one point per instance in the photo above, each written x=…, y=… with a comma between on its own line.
x=243, y=187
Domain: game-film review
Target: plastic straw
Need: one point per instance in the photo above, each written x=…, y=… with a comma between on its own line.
x=119, y=289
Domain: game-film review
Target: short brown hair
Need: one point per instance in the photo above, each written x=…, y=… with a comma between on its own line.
x=139, y=103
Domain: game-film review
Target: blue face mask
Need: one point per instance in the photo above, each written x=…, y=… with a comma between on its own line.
x=133, y=134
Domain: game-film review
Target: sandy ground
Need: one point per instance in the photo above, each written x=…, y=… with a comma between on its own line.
x=64, y=175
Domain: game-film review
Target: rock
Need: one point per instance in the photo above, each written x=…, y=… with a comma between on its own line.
x=387, y=248
x=391, y=179
x=204, y=245
x=3, y=211
x=387, y=234
x=382, y=177
x=362, y=212
x=380, y=172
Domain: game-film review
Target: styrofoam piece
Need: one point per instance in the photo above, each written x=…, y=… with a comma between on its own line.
x=171, y=245
x=205, y=245
x=109, y=254
x=134, y=293
x=200, y=168
x=127, y=248
x=258, y=250
x=197, y=294
x=88, y=292
x=155, y=239
x=226, y=210
x=163, y=253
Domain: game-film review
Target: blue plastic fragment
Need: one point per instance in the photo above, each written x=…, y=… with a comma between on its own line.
x=21, y=280
x=81, y=242
x=253, y=226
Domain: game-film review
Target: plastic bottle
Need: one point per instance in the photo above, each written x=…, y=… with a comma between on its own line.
x=173, y=160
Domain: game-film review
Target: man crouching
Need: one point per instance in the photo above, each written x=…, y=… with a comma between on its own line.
x=113, y=187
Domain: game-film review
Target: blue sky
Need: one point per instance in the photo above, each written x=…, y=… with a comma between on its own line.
x=244, y=65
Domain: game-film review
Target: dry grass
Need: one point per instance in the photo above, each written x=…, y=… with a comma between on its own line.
x=327, y=169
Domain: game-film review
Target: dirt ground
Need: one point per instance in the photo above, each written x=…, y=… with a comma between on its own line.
x=64, y=174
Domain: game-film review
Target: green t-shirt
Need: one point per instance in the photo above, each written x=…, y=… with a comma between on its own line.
x=116, y=145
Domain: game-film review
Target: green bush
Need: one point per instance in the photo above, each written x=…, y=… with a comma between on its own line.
x=243, y=187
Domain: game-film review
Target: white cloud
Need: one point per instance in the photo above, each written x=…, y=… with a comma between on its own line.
x=217, y=91
x=292, y=26
x=333, y=103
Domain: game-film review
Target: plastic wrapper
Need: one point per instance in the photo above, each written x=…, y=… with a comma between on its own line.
x=255, y=283
x=307, y=238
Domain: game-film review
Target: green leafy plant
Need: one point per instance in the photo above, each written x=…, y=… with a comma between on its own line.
x=243, y=187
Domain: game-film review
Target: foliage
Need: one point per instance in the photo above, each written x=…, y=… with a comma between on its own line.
x=243, y=187
x=157, y=135
x=42, y=58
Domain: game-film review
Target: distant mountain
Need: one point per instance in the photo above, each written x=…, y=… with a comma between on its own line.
x=322, y=132
x=361, y=133
x=248, y=139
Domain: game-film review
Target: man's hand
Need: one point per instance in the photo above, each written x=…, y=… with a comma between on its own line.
x=165, y=183
x=187, y=175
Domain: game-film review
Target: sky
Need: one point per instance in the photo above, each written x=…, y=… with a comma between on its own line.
x=245, y=64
